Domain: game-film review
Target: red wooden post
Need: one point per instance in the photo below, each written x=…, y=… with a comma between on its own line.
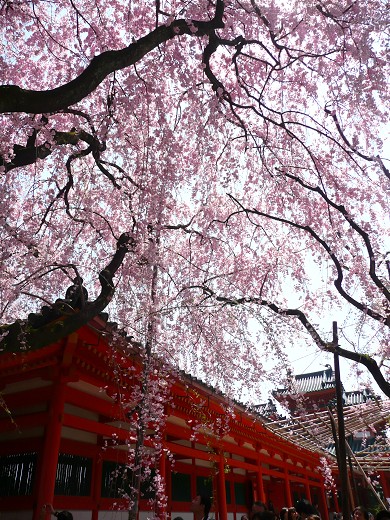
x=287, y=487
x=168, y=486
x=324, y=501
x=307, y=489
x=385, y=485
x=47, y=466
x=259, y=495
x=97, y=481
x=162, y=510
x=222, y=507
x=336, y=500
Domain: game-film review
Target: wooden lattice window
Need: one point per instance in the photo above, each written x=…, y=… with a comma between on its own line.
x=181, y=487
x=117, y=481
x=204, y=485
x=240, y=493
x=74, y=475
x=17, y=473
x=228, y=492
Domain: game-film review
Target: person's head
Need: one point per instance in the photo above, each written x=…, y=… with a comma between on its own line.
x=359, y=513
x=305, y=509
x=268, y=515
x=257, y=516
x=244, y=517
x=178, y=518
x=283, y=515
x=258, y=507
x=201, y=505
x=64, y=515
x=292, y=513
x=383, y=514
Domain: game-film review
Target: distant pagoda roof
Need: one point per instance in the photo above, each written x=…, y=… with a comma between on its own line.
x=321, y=381
x=358, y=397
x=267, y=411
x=312, y=382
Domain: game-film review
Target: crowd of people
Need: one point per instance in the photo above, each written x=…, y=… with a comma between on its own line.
x=303, y=510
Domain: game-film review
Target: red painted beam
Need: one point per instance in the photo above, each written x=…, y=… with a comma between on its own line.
x=23, y=422
x=189, y=452
x=80, y=423
x=19, y=445
x=31, y=397
x=94, y=404
x=17, y=503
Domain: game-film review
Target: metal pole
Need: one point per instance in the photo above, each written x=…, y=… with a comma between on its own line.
x=340, y=419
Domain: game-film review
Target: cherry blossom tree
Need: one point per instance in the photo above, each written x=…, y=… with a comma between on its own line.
x=213, y=171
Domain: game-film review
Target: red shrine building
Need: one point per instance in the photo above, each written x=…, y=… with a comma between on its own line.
x=315, y=390
x=64, y=436
x=366, y=417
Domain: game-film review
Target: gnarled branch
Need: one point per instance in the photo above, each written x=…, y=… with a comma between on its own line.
x=370, y=363
x=29, y=154
x=21, y=335
x=338, y=282
x=15, y=99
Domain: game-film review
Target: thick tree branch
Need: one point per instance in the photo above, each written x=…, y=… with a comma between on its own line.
x=376, y=159
x=367, y=361
x=338, y=282
x=29, y=154
x=16, y=99
x=22, y=335
x=365, y=237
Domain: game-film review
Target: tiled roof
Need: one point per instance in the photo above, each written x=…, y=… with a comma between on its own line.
x=267, y=410
x=358, y=397
x=315, y=381
x=320, y=381
x=312, y=382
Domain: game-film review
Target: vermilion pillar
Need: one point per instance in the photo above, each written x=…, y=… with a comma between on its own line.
x=222, y=507
x=384, y=484
x=287, y=488
x=161, y=509
x=324, y=501
x=47, y=465
x=97, y=480
x=307, y=489
x=260, y=483
x=336, y=500
x=168, y=487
